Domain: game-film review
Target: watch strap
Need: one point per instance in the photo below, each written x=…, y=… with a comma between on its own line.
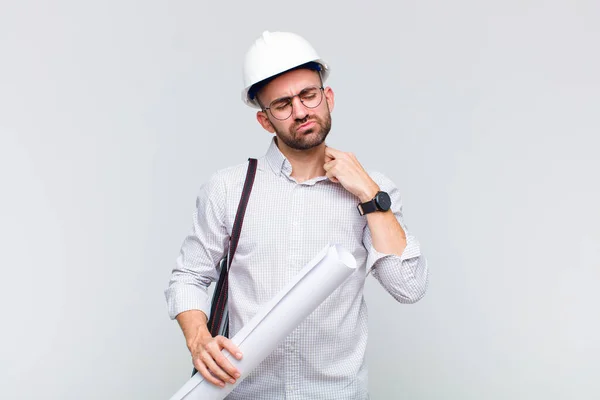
x=367, y=207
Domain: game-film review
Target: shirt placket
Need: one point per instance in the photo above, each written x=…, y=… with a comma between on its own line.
x=296, y=235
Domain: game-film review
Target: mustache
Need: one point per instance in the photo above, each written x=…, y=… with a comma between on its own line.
x=305, y=120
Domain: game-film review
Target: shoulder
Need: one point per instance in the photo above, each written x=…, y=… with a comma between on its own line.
x=222, y=181
x=230, y=176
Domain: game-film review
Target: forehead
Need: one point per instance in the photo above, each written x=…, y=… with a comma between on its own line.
x=289, y=84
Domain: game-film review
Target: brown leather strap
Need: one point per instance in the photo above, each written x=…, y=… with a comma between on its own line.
x=221, y=290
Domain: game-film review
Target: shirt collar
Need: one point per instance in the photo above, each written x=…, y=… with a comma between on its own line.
x=277, y=161
x=280, y=165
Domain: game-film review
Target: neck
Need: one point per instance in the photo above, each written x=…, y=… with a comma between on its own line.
x=306, y=164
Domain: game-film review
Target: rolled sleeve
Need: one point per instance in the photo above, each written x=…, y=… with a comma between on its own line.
x=404, y=277
x=202, y=249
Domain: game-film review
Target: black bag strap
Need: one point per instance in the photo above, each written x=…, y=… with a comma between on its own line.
x=221, y=290
x=241, y=211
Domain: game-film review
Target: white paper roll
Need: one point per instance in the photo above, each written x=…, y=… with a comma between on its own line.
x=278, y=318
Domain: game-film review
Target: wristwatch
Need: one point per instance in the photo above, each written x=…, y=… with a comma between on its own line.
x=381, y=202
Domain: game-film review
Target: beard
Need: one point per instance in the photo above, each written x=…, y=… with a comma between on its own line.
x=309, y=138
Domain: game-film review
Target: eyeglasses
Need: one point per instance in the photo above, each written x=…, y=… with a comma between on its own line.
x=310, y=97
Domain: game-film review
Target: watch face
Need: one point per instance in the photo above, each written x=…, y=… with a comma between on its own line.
x=383, y=201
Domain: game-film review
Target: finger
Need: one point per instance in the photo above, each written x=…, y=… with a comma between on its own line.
x=215, y=369
x=224, y=363
x=329, y=165
x=332, y=177
x=231, y=347
x=208, y=376
x=331, y=152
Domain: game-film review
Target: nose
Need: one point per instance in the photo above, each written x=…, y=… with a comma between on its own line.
x=299, y=112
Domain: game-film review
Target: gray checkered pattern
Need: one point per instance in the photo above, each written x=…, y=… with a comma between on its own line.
x=286, y=225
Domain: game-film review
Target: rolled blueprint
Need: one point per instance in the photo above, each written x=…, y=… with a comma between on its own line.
x=278, y=318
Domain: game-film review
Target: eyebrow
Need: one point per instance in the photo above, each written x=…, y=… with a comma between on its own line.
x=289, y=97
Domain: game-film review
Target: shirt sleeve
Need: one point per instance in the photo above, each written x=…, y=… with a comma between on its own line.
x=202, y=249
x=405, y=277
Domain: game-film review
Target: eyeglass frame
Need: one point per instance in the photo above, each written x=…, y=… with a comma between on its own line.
x=321, y=88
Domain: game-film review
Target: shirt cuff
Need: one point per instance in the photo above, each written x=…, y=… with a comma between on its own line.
x=186, y=297
x=411, y=250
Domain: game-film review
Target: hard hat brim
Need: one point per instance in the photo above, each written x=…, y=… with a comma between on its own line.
x=252, y=102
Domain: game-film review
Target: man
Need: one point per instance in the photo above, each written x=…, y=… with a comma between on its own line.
x=305, y=196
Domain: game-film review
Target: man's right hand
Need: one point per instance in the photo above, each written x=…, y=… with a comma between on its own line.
x=210, y=362
x=206, y=350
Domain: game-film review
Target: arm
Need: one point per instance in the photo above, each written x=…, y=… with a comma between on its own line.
x=193, y=324
x=201, y=251
x=394, y=256
x=195, y=269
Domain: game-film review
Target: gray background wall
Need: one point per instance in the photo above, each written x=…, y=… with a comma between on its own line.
x=484, y=113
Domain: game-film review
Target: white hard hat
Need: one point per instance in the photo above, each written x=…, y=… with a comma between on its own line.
x=274, y=53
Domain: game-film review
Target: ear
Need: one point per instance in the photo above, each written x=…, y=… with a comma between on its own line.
x=263, y=120
x=329, y=96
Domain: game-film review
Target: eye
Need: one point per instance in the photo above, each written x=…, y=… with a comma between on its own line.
x=280, y=104
x=308, y=96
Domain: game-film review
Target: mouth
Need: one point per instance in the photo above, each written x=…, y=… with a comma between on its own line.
x=305, y=126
